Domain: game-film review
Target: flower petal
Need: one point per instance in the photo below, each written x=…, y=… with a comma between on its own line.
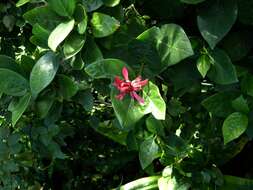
x=137, y=97
x=120, y=96
x=125, y=74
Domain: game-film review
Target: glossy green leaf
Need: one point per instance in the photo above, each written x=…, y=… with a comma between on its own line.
x=44, y=17
x=77, y=62
x=92, y=5
x=85, y=98
x=128, y=111
x=73, y=44
x=111, y=3
x=43, y=72
x=68, y=87
x=223, y=71
x=22, y=2
x=149, y=150
x=12, y=83
x=155, y=126
x=192, y=1
x=63, y=7
x=172, y=183
x=60, y=33
x=211, y=15
x=40, y=36
x=240, y=105
x=146, y=183
x=171, y=43
x=81, y=18
x=18, y=107
x=105, y=68
x=234, y=126
x=154, y=101
x=103, y=25
x=203, y=65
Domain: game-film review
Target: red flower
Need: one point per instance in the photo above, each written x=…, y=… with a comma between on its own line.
x=126, y=86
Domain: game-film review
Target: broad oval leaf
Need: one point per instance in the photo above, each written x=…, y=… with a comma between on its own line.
x=234, y=125
x=149, y=150
x=12, y=83
x=106, y=68
x=236, y=183
x=171, y=43
x=146, y=183
x=60, y=33
x=222, y=71
x=43, y=72
x=18, y=107
x=63, y=7
x=43, y=16
x=103, y=25
x=203, y=65
x=210, y=17
x=192, y=1
x=9, y=63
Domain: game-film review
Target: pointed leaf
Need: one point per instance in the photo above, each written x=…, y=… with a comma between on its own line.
x=149, y=150
x=43, y=72
x=18, y=108
x=234, y=126
x=103, y=25
x=62, y=7
x=60, y=33
x=211, y=15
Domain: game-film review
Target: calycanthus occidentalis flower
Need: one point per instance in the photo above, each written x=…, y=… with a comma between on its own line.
x=129, y=87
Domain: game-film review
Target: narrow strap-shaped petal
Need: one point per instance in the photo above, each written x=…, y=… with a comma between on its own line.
x=120, y=96
x=125, y=73
x=137, y=97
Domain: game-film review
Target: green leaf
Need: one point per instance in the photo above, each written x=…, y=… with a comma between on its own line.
x=149, y=150
x=203, y=65
x=12, y=83
x=44, y=103
x=44, y=17
x=77, y=62
x=111, y=3
x=155, y=126
x=67, y=87
x=240, y=105
x=211, y=15
x=18, y=107
x=172, y=183
x=192, y=1
x=154, y=101
x=103, y=25
x=171, y=44
x=128, y=111
x=106, y=68
x=146, y=183
x=236, y=183
x=73, y=44
x=247, y=84
x=92, y=52
x=223, y=71
x=220, y=104
x=9, y=63
x=40, y=36
x=22, y=2
x=234, y=125
x=60, y=33
x=63, y=7
x=92, y=5
x=81, y=18
x=43, y=72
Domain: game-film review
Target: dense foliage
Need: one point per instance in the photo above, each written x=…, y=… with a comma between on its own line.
x=67, y=120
